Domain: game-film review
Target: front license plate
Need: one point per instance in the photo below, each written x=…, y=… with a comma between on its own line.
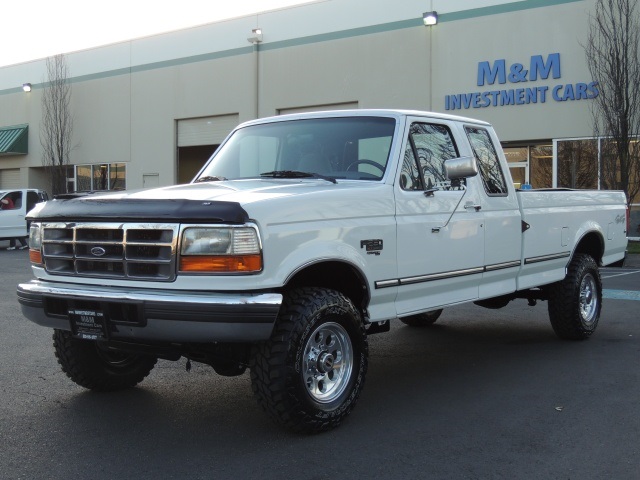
x=87, y=324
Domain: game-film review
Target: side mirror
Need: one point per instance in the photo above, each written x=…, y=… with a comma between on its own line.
x=462, y=167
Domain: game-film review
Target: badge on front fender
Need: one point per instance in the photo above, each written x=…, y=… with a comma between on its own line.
x=373, y=247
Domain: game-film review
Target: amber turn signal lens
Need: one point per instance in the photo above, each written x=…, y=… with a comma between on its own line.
x=221, y=263
x=35, y=256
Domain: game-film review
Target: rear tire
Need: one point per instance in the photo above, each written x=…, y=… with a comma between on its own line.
x=92, y=367
x=309, y=375
x=576, y=301
x=422, y=319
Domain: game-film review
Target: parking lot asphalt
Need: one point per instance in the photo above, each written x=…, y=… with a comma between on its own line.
x=632, y=261
x=481, y=394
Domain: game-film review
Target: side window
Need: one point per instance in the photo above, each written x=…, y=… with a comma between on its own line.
x=487, y=158
x=7, y=202
x=16, y=198
x=428, y=146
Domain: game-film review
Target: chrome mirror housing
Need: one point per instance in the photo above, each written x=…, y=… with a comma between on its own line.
x=462, y=167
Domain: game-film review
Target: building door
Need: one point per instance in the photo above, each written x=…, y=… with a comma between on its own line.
x=518, y=160
x=150, y=180
x=198, y=138
x=530, y=163
x=192, y=159
x=10, y=178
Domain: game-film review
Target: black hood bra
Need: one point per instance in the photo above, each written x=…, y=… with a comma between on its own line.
x=87, y=209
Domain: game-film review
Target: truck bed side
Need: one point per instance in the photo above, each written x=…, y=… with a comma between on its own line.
x=558, y=222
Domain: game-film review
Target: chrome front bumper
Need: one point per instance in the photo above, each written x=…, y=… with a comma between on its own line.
x=156, y=315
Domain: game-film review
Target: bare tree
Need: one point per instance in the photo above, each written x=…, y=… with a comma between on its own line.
x=57, y=123
x=613, y=58
x=578, y=164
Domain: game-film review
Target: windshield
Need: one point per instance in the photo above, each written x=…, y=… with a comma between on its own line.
x=342, y=147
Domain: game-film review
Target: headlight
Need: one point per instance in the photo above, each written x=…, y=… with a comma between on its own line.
x=35, y=243
x=220, y=250
x=200, y=241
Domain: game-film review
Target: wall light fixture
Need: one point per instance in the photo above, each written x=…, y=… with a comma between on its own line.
x=430, y=18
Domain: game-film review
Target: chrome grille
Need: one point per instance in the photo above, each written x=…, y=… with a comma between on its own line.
x=104, y=250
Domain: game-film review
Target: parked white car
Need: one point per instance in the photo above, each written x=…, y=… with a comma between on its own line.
x=14, y=210
x=301, y=236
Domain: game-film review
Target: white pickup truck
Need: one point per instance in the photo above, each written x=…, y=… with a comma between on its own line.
x=14, y=205
x=302, y=235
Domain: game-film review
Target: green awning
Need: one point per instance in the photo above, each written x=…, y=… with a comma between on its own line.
x=14, y=140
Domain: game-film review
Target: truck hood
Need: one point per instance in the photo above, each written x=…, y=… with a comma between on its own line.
x=239, y=191
x=207, y=202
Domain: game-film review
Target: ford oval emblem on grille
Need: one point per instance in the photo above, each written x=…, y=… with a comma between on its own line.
x=98, y=251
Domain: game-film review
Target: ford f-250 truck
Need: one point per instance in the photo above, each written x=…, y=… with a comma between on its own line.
x=301, y=236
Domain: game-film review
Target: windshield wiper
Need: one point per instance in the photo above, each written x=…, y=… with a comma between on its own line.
x=210, y=178
x=297, y=174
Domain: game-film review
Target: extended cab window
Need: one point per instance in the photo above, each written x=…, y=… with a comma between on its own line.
x=487, y=158
x=428, y=146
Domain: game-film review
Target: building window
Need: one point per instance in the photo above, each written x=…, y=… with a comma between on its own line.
x=518, y=161
x=83, y=178
x=532, y=164
x=634, y=221
x=578, y=163
x=104, y=176
x=117, y=176
x=541, y=166
x=100, y=177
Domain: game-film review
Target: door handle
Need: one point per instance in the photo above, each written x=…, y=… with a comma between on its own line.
x=471, y=205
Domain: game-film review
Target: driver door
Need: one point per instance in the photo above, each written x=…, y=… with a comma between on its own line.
x=440, y=232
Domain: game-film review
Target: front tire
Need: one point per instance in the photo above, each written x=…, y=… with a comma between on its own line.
x=92, y=367
x=576, y=301
x=309, y=375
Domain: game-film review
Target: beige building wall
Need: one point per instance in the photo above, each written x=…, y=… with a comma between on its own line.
x=127, y=98
x=380, y=70
x=459, y=46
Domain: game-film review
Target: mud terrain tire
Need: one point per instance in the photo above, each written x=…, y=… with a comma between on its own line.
x=309, y=375
x=575, y=302
x=92, y=367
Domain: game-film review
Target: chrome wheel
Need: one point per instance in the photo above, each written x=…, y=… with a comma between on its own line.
x=327, y=362
x=588, y=299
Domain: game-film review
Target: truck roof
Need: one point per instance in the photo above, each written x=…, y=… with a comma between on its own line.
x=395, y=113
